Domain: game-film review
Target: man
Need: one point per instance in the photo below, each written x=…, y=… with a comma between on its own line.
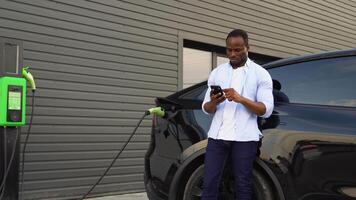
x=234, y=130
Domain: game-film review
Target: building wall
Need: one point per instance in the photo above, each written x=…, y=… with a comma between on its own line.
x=99, y=65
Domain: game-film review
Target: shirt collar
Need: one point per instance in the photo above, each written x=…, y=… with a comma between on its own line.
x=247, y=64
x=245, y=67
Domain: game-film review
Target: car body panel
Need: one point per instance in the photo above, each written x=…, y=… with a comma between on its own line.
x=313, y=147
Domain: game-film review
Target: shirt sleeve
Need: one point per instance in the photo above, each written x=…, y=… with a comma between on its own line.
x=264, y=93
x=211, y=81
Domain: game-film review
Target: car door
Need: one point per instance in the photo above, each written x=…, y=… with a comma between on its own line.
x=310, y=140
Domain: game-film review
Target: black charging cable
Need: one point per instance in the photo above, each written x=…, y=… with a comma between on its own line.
x=3, y=183
x=25, y=144
x=117, y=156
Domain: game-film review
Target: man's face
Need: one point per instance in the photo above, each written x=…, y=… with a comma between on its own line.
x=236, y=51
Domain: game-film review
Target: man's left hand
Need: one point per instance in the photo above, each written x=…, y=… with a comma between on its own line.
x=232, y=95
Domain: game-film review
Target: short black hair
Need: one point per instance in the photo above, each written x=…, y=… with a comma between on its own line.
x=238, y=33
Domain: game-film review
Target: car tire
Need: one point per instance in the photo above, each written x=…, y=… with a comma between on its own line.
x=262, y=190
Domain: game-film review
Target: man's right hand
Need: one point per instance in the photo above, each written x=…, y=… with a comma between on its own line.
x=215, y=99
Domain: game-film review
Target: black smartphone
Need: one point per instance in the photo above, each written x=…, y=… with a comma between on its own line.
x=217, y=89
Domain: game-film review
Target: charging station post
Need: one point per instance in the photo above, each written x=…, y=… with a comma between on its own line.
x=12, y=116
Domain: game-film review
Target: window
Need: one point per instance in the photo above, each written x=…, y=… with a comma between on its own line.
x=202, y=121
x=322, y=82
x=195, y=94
x=199, y=59
x=221, y=60
x=197, y=65
x=10, y=56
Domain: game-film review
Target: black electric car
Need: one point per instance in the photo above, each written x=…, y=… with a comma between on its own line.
x=308, y=151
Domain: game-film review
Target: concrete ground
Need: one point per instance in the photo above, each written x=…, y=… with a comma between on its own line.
x=134, y=196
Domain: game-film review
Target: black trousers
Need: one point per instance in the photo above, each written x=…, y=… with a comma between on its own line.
x=242, y=154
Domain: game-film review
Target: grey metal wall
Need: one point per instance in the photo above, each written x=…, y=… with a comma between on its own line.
x=100, y=63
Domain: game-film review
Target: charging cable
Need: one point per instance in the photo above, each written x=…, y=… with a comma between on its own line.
x=157, y=111
x=28, y=76
x=25, y=144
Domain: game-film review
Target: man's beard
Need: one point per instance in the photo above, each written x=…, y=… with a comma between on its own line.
x=238, y=62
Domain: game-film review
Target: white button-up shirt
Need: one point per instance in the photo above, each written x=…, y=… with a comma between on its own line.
x=233, y=121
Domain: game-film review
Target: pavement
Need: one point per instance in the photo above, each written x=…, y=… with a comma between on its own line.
x=133, y=196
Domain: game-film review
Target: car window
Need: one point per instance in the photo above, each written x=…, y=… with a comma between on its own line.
x=195, y=94
x=323, y=82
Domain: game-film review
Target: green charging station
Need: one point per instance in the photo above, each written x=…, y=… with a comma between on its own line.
x=13, y=77
x=12, y=101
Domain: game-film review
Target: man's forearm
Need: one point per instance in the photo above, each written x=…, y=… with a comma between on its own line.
x=256, y=107
x=210, y=107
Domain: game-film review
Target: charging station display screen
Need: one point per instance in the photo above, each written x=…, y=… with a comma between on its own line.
x=14, y=101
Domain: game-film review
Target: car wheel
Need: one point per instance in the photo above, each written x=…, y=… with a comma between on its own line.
x=262, y=190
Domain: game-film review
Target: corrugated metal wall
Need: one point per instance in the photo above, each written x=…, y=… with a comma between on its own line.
x=100, y=63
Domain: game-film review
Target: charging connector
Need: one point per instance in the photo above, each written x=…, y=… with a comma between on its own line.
x=159, y=111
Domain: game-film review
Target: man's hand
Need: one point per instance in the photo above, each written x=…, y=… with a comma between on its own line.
x=256, y=107
x=232, y=95
x=216, y=98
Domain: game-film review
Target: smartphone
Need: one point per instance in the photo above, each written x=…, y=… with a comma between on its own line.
x=217, y=89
